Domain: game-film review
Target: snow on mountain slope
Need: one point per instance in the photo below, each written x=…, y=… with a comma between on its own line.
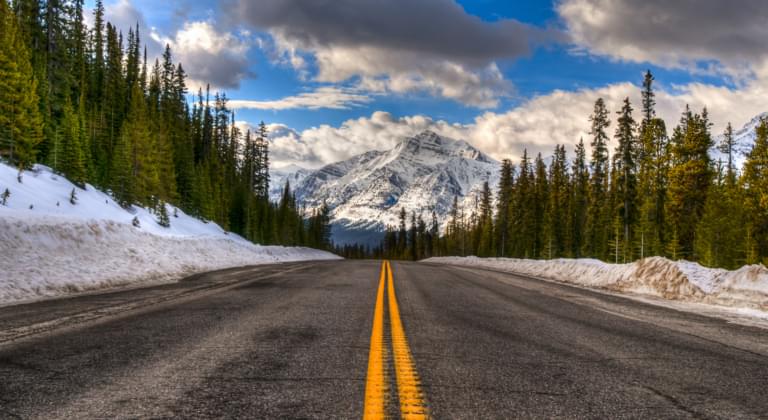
x=744, y=139
x=420, y=174
x=278, y=177
x=51, y=247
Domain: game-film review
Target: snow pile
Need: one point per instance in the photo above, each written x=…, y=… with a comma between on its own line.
x=654, y=276
x=56, y=248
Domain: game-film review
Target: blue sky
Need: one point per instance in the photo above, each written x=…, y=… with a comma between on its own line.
x=318, y=80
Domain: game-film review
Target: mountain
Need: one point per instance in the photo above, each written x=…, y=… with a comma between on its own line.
x=293, y=174
x=744, y=139
x=420, y=174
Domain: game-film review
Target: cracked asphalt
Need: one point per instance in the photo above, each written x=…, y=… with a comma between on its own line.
x=293, y=340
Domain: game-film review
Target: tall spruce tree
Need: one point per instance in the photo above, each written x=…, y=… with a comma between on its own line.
x=579, y=199
x=755, y=185
x=504, y=208
x=20, y=120
x=689, y=178
x=598, y=220
x=626, y=171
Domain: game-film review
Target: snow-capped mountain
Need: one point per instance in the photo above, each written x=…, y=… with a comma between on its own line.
x=420, y=174
x=292, y=174
x=744, y=138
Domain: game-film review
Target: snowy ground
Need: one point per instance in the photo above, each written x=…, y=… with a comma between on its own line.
x=50, y=247
x=745, y=289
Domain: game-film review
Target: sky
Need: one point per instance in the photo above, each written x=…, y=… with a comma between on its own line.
x=335, y=78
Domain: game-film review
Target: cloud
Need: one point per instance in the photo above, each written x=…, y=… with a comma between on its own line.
x=680, y=33
x=210, y=56
x=207, y=54
x=323, y=97
x=397, y=46
x=560, y=117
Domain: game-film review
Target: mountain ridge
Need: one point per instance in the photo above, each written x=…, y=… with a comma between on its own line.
x=421, y=174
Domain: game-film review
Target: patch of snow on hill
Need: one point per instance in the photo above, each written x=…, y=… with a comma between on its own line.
x=50, y=247
x=746, y=287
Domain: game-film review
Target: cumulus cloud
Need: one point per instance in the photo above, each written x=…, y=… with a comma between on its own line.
x=209, y=55
x=324, y=97
x=397, y=46
x=124, y=16
x=560, y=117
x=677, y=33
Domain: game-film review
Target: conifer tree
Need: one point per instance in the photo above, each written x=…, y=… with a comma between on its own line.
x=598, y=221
x=626, y=171
x=72, y=139
x=689, y=178
x=540, y=195
x=20, y=120
x=755, y=185
x=485, y=228
x=504, y=207
x=162, y=215
x=720, y=232
x=580, y=199
x=557, y=238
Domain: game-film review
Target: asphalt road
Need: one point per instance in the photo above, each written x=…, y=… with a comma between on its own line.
x=300, y=341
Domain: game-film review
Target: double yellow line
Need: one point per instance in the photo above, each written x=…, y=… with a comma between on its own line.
x=410, y=395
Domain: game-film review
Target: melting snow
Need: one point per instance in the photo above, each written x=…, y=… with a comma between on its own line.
x=56, y=248
x=745, y=288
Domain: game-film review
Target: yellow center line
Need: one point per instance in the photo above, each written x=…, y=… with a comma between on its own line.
x=376, y=382
x=412, y=401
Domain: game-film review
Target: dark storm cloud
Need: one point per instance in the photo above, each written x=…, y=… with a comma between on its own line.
x=670, y=32
x=433, y=27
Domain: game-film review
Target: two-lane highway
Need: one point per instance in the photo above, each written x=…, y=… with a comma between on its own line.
x=348, y=338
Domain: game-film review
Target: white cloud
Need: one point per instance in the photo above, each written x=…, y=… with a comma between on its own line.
x=560, y=117
x=323, y=97
x=681, y=33
x=209, y=55
x=398, y=46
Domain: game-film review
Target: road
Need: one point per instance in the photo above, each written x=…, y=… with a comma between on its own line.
x=340, y=339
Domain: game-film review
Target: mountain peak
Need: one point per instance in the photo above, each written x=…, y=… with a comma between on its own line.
x=421, y=174
x=429, y=143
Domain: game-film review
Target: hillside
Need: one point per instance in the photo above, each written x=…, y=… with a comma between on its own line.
x=51, y=247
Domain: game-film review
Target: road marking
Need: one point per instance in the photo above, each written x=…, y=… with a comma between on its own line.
x=412, y=401
x=376, y=382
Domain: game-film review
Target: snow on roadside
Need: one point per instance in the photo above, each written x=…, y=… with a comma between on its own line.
x=56, y=248
x=746, y=287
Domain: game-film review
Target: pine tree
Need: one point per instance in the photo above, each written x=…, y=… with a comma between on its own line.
x=689, y=178
x=580, y=199
x=755, y=185
x=720, y=232
x=626, y=184
x=72, y=138
x=540, y=195
x=653, y=162
x=726, y=146
x=162, y=215
x=402, y=240
x=504, y=207
x=20, y=120
x=598, y=221
x=485, y=228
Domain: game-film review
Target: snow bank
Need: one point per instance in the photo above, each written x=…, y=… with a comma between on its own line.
x=56, y=248
x=655, y=276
